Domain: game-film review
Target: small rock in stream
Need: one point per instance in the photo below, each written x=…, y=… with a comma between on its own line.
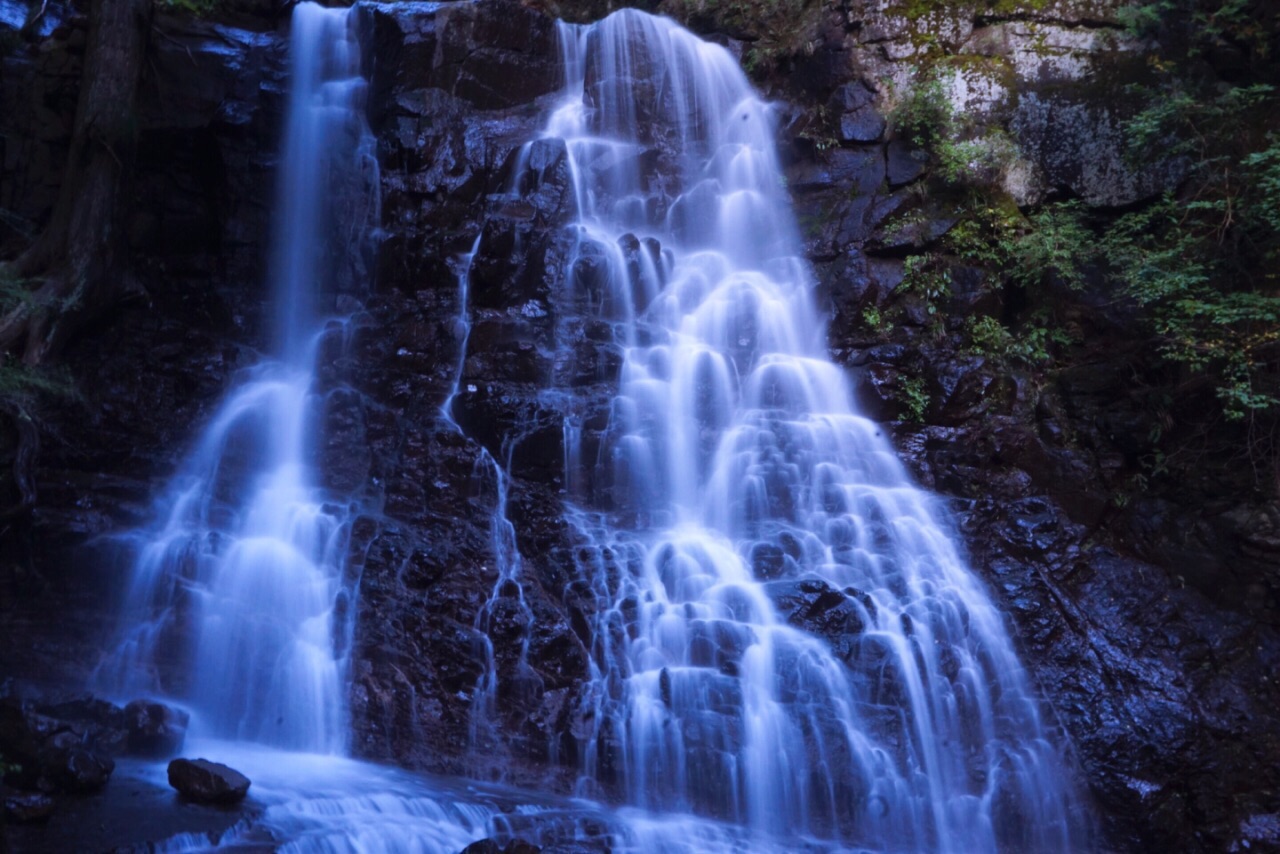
x=207, y=782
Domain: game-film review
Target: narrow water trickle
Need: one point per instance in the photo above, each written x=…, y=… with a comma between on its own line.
x=238, y=606
x=786, y=636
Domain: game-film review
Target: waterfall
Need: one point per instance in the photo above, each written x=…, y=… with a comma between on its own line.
x=238, y=606
x=736, y=483
x=787, y=648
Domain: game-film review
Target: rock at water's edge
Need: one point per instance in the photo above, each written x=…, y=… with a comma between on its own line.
x=207, y=782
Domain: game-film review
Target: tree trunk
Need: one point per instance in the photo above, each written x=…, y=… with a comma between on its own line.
x=80, y=257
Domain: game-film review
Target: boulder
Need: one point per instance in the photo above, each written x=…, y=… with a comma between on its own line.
x=207, y=782
x=28, y=807
x=155, y=729
x=491, y=846
x=78, y=770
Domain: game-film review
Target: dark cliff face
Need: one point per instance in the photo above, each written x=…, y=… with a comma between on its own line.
x=208, y=124
x=1149, y=624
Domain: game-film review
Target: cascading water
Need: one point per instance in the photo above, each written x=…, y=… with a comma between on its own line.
x=735, y=476
x=239, y=585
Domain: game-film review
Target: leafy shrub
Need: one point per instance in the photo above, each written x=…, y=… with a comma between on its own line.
x=914, y=398
x=963, y=152
x=927, y=277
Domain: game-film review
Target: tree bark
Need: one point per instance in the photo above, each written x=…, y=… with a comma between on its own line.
x=80, y=258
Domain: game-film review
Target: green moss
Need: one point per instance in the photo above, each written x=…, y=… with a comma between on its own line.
x=1014, y=8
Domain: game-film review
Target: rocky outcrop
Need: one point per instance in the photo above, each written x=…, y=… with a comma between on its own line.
x=68, y=745
x=1148, y=618
x=58, y=747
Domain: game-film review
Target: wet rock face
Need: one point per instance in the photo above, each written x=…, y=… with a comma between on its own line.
x=838, y=617
x=452, y=95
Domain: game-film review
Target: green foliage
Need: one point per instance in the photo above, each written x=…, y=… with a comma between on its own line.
x=1195, y=29
x=1262, y=169
x=914, y=398
x=1027, y=252
x=1200, y=267
x=1203, y=262
x=1170, y=259
x=906, y=228
x=977, y=159
x=986, y=233
x=1143, y=19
